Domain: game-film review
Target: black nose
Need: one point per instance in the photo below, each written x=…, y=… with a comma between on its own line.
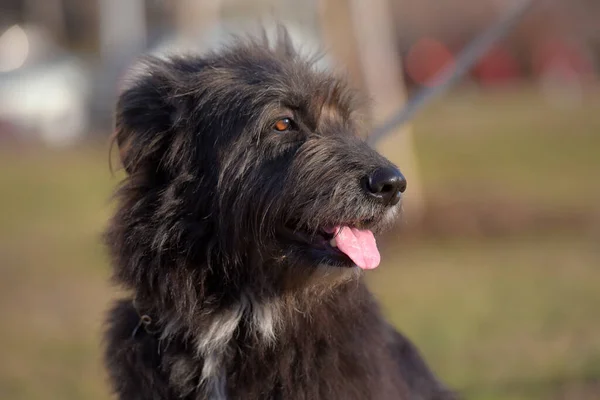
x=386, y=184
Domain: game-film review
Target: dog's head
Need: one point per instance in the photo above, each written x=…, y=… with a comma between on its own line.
x=248, y=157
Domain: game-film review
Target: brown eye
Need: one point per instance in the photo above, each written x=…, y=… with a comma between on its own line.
x=282, y=125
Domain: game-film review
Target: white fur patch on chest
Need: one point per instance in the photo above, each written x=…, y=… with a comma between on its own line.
x=213, y=344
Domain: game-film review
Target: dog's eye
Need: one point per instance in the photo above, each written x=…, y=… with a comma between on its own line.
x=283, y=125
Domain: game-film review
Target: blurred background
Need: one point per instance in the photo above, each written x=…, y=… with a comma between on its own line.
x=494, y=271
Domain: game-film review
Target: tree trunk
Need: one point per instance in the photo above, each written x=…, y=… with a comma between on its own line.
x=382, y=73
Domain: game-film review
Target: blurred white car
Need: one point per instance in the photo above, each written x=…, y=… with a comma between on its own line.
x=45, y=98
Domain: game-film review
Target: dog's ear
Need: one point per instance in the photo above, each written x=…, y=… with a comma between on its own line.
x=145, y=115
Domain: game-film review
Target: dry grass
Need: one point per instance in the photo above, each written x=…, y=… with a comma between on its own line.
x=499, y=315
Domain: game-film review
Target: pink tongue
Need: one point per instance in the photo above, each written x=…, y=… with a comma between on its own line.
x=359, y=245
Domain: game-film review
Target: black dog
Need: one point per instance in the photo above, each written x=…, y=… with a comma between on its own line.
x=243, y=229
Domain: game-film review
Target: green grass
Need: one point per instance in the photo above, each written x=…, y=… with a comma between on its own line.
x=511, y=146
x=53, y=273
x=511, y=317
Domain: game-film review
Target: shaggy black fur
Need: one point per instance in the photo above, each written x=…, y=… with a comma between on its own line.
x=221, y=235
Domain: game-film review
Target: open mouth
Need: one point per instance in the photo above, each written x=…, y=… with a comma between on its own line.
x=341, y=245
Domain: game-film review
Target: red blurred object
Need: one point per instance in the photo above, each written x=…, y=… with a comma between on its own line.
x=498, y=67
x=425, y=59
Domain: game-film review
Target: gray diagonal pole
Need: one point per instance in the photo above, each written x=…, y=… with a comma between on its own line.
x=453, y=73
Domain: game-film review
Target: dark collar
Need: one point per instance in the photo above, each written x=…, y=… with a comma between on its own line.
x=146, y=322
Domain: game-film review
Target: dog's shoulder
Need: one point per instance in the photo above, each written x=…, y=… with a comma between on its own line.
x=421, y=381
